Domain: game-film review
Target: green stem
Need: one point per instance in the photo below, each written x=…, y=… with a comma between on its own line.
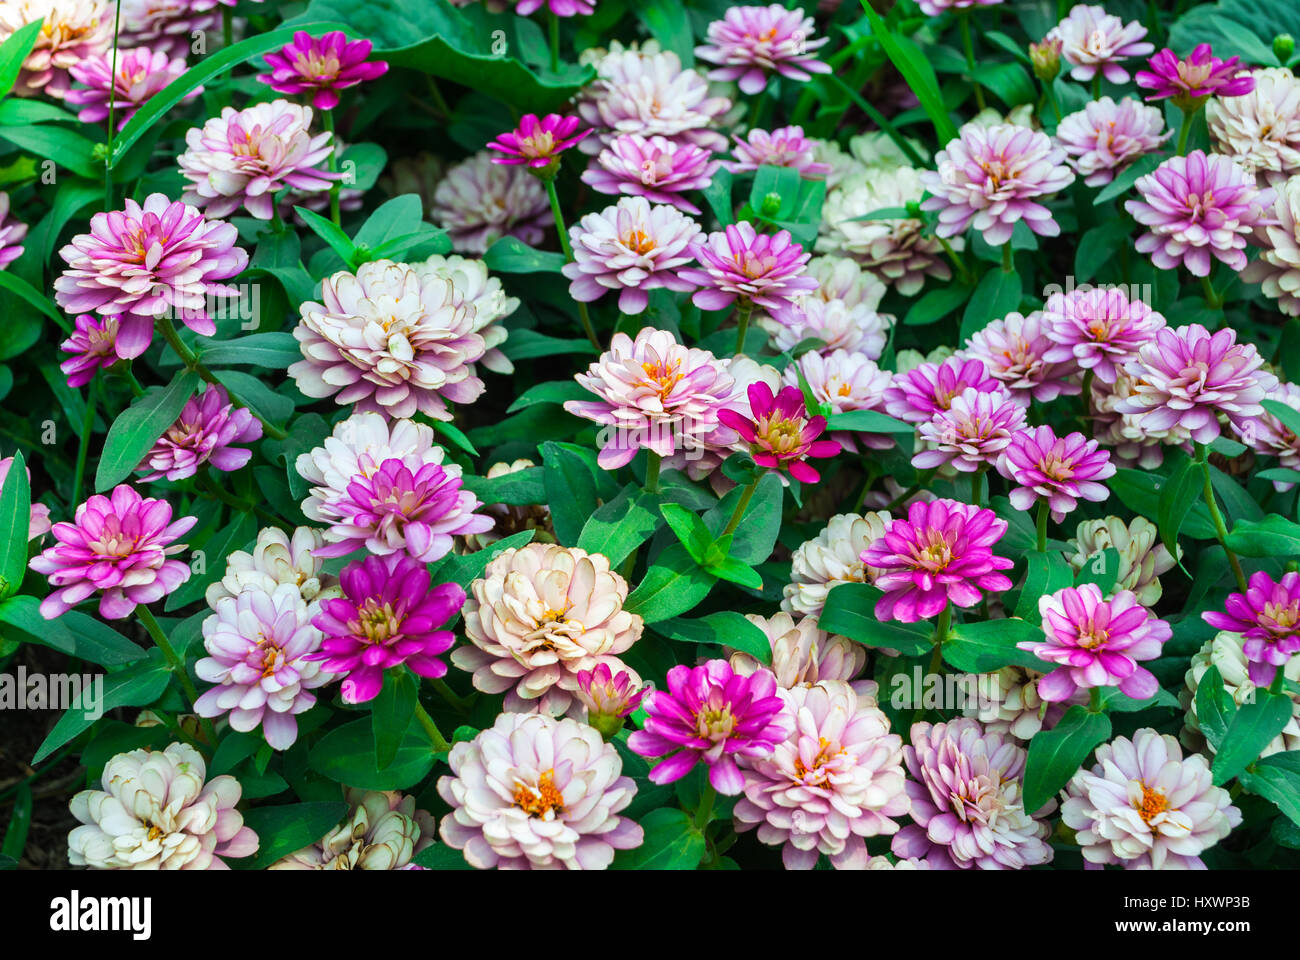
x=1042, y=526
x=1086, y=393
x=568, y=255
x=957, y=261
x=335, y=212
x=942, y=627
x=739, y=512
x=555, y=42
x=1279, y=679
x=1220, y=528
x=1050, y=91
x=227, y=27
x=277, y=222
x=1096, y=85
x=976, y=486
x=1007, y=265
x=1214, y=300
x=128, y=375
x=1094, y=700
x=83, y=447
x=439, y=100
x=112, y=116
x=964, y=22
x=652, y=472
x=901, y=498
x=743, y=310
x=175, y=664
x=440, y=745
x=755, y=110
x=705, y=810
x=456, y=703
x=1184, y=131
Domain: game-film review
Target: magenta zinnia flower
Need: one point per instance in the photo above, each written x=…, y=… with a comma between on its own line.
x=119, y=545
x=561, y=8
x=1195, y=206
x=765, y=270
x=93, y=348
x=1014, y=350
x=12, y=233
x=991, y=177
x=1060, y=471
x=1092, y=40
x=752, y=43
x=972, y=433
x=608, y=695
x=784, y=147
x=141, y=73
x=1186, y=376
x=967, y=794
x=1192, y=81
x=656, y=168
x=321, y=66
x=147, y=260
x=538, y=141
x=710, y=713
x=205, y=432
x=1097, y=643
x=782, y=435
x=1105, y=137
x=942, y=552
x=1267, y=616
x=633, y=248
x=917, y=395
x=1098, y=329
x=386, y=617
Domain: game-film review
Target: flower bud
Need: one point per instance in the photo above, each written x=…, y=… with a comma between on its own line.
x=1046, y=58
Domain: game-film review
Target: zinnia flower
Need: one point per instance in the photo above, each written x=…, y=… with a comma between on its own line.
x=278, y=558
x=478, y=202
x=538, y=141
x=1192, y=81
x=120, y=545
x=857, y=329
x=843, y=279
x=832, y=557
x=206, y=432
x=1105, y=137
x=765, y=270
x=968, y=801
x=386, y=617
x=483, y=292
x=846, y=381
x=654, y=393
x=1142, y=557
x=145, y=261
x=1186, y=376
x=991, y=177
x=803, y=655
x=244, y=157
x=1146, y=807
x=93, y=348
x=712, y=714
x=942, y=553
x=1278, y=268
x=1097, y=329
x=1093, y=40
x=656, y=168
x=752, y=43
x=1132, y=442
x=633, y=248
x=383, y=831
x=1260, y=129
x=918, y=394
x=1195, y=206
x=38, y=523
x=533, y=793
x=390, y=338
x=168, y=25
x=783, y=147
x=1014, y=350
x=141, y=73
x=608, y=696
x=972, y=433
x=837, y=778
x=157, y=813
x=73, y=31
x=321, y=66
x=1008, y=703
x=258, y=645
x=1097, y=643
x=1267, y=616
x=1058, y=471
x=12, y=233
x=540, y=615
x=561, y=8
x=781, y=435
x=1270, y=437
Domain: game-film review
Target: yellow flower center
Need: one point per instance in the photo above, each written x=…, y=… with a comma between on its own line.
x=544, y=800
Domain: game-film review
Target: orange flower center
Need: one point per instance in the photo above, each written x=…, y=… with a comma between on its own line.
x=544, y=800
x=637, y=241
x=662, y=377
x=1153, y=803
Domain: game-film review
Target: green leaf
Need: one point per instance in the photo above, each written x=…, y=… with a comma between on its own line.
x=724, y=628
x=69, y=150
x=620, y=526
x=1010, y=81
x=1046, y=574
x=669, y=24
x=1108, y=560
x=553, y=391
x=755, y=536
x=275, y=351
x=391, y=713
x=1288, y=414
x=1055, y=755
x=136, y=429
x=512, y=255
x=1274, y=536
x=1113, y=701
x=850, y=612
x=989, y=645
x=455, y=435
x=672, y=585
x=519, y=488
x=1139, y=490
x=441, y=857
x=1277, y=777
x=1251, y=729
x=136, y=686
x=1177, y=498
x=20, y=819
x=74, y=633
x=528, y=344
x=466, y=567
x=333, y=235
x=935, y=305
x=916, y=70
x=15, y=518
x=393, y=220
x=570, y=491
x=1215, y=707
x=282, y=830
x=14, y=51
x=671, y=843
x=689, y=530
x=219, y=546
x=1097, y=247
x=718, y=196
x=868, y=421
x=254, y=393
x=21, y=288
x=733, y=570
x=1125, y=179
x=997, y=295
x=347, y=755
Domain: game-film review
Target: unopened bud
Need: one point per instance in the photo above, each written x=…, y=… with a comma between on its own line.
x=1046, y=58
x=1283, y=47
x=771, y=205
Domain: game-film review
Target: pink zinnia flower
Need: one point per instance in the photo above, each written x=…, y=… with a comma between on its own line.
x=398, y=509
x=1186, y=376
x=654, y=393
x=386, y=617
x=1270, y=437
x=119, y=545
x=942, y=552
x=967, y=793
x=205, y=432
x=12, y=233
x=538, y=141
x=1192, y=81
x=856, y=328
x=710, y=713
x=93, y=345
x=656, y=168
x=752, y=43
x=633, y=248
x=1014, y=350
x=1105, y=137
x=606, y=694
x=1267, y=616
x=141, y=73
x=1058, y=470
x=1098, y=329
x=991, y=177
x=561, y=8
x=244, y=157
x=38, y=523
x=765, y=270
x=257, y=644
x=917, y=395
x=147, y=260
x=1195, y=206
x=73, y=30
x=168, y=25
x=784, y=147
x=321, y=66
x=846, y=381
x=1092, y=40
x=782, y=436
x=934, y=8
x=1097, y=643
x=972, y=433
x=479, y=201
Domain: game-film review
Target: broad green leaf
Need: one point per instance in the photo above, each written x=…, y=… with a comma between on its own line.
x=868, y=421
x=1097, y=247
x=275, y=351
x=673, y=585
x=518, y=488
x=1177, y=498
x=1139, y=490
x=69, y=150
x=997, y=294
x=392, y=220
x=464, y=568
x=22, y=289
x=1101, y=568
x=528, y=344
x=15, y=518
x=253, y=392
x=985, y=646
x=1251, y=729
x=136, y=686
x=689, y=530
x=553, y=391
x=1273, y=536
x=570, y=491
x=1056, y=755
x=1215, y=707
x=1289, y=415
x=1277, y=777
x=1113, y=701
x=620, y=526
x=671, y=843
x=136, y=429
x=911, y=62
x=74, y=633
x=439, y=856
x=14, y=51
x=725, y=628
x=284, y=829
x=347, y=755
x=391, y=713
x=20, y=820
x=935, y=304
x=241, y=530
x=512, y=255
x=1046, y=574
x=756, y=534
x=733, y=570
x=850, y=611
x=324, y=228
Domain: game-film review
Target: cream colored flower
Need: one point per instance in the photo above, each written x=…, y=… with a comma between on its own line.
x=1142, y=557
x=1224, y=651
x=278, y=558
x=830, y=558
x=383, y=832
x=803, y=654
x=1278, y=268
x=485, y=294
x=1260, y=129
x=1007, y=702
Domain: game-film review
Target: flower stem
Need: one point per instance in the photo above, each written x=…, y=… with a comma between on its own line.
x=739, y=512
x=112, y=115
x=976, y=486
x=456, y=703
x=439, y=743
x=899, y=500
x=964, y=22
x=1051, y=99
x=704, y=812
x=942, y=627
x=335, y=212
x=1008, y=266
x=1094, y=700
x=1086, y=392
x=1096, y=85
x=957, y=261
x=1279, y=679
x=83, y=447
x=227, y=27
x=744, y=308
x=175, y=664
x=1220, y=528
x=568, y=255
x=555, y=42
x=1184, y=131
x=652, y=472
x=1215, y=301
x=1042, y=526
